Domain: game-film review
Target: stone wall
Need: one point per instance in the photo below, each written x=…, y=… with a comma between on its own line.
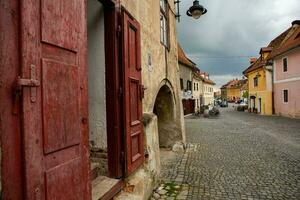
x=140, y=185
x=164, y=62
x=159, y=68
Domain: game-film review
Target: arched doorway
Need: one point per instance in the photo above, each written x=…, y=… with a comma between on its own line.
x=164, y=108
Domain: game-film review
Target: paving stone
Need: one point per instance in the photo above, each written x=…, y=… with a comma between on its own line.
x=238, y=156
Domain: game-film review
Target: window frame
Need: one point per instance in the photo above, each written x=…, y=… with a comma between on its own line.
x=255, y=82
x=284, y=68
x=165, y=14
x=181, y=84
x=285, y=96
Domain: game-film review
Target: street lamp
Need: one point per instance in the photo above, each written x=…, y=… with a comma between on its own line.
x=196, y=10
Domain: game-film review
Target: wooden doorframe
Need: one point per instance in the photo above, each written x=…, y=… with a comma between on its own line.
x=115, y=140
x=10, y=116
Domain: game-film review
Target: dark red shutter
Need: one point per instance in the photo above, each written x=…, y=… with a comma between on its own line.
x=133, y=93
x=53, y=46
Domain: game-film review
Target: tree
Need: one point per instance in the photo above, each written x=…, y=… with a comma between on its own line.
x=245, y=94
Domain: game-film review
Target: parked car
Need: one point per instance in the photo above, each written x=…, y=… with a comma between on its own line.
x=238, y=101
x=224, y=104
x=242, y=106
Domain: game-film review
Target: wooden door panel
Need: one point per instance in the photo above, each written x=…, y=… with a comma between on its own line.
x=64, y=182
x=133, y=93
x=134, y=98
x=59, y=23
x=61, y=124
x=53, y=39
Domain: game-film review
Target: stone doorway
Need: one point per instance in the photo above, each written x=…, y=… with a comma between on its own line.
x=106, y=182
x=164, y=109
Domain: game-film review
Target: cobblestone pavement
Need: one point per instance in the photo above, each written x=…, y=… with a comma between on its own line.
x=238, y=156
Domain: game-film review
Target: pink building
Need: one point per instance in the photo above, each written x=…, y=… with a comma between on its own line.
x=286, y=70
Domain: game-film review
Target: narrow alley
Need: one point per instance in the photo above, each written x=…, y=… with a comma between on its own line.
x=237, y=156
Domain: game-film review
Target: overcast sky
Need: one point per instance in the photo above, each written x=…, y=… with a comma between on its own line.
x=222, y=40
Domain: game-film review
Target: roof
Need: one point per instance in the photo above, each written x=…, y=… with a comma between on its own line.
x=183, y=59
x=256, y=65
x=208, y=81
x=235, y=83
x=276, y=47
x=290, y=41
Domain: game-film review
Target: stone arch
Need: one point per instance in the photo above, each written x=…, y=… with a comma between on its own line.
x=164, y=108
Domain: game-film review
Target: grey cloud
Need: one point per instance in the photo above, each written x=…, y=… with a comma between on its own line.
x=233, y=30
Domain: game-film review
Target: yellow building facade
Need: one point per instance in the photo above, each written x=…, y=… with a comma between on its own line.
x=260, y=93
x=260, y=85
x=233, y=94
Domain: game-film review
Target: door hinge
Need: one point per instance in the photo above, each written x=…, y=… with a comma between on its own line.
x=23, y=82
x=142, y=91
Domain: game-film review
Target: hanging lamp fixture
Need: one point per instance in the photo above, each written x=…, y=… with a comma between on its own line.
x=196, y=10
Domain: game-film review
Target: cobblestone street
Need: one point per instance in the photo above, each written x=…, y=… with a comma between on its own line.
x=237, y=156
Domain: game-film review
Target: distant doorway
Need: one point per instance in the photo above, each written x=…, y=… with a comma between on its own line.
x=259, y=105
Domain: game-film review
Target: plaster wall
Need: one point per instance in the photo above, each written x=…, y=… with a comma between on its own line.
x=261, y=80
x=163, y=68
x=197, y=92
x=266, y=102
x=292, y=107
x=289, y=80
x=208, y=95
x=233, y=93
x=159, y=68
x=140, y=185
x=96, y=75
x=293, y=70
x=185, y=74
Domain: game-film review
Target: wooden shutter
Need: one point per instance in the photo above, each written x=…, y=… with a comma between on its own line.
x=53, y=45
x=133, y=93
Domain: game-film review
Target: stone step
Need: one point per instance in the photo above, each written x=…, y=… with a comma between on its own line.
x=104, y=188
x=94, y=170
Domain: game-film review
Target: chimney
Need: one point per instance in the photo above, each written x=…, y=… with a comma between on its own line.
x=253, y=60
x=296, y=23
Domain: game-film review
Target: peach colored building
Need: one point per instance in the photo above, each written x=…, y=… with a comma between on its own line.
x=286, y=70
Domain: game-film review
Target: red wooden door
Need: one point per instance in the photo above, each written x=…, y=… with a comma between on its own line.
x=55, y=137
x=133, y=93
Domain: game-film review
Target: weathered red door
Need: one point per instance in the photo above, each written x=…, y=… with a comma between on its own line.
x=55, y=137
x=133, y=93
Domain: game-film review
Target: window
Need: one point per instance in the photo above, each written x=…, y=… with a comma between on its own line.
x=285, y=64
x=255, y=81
x=194, y=86
x=164, y=23
x=285, y=96
x=189, y=85
x=181, y=84
x=197, y=86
